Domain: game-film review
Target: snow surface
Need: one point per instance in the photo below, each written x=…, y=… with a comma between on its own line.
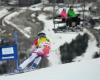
x=91, y=50
x=59, y=39
x=98, y=27
x=56, y=39
x=7, y=20
x=85, y=70
x=36, y=7
x=3, y=12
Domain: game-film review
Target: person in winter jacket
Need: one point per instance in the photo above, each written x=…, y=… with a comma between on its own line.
x=73, y=17
x=40, y=48
x=71, y=12
x=64, y=15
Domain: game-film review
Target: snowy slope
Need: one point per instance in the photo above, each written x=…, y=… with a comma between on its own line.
x=3, y=12
x=91, y=50
x=56, y=39
x=88, y=70
x=7, y=20
x=84, y=70
x=98, y=28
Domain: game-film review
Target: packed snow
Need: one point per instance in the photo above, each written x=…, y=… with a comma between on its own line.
x=56, y=39
x=84, y=70
x=3, y=12
x=98, y=28
x=7, y=20
x=91, y=50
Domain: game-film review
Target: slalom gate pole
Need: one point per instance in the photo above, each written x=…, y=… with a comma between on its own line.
x=17, y=43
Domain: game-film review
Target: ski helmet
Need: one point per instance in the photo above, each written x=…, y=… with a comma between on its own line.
x=41, y=34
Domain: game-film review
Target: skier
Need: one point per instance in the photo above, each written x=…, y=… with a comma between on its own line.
x=40, y=49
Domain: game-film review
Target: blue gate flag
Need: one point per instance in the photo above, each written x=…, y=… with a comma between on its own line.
x=8, y=52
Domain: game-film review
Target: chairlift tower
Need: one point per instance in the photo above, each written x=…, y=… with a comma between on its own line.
x=54, y=4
